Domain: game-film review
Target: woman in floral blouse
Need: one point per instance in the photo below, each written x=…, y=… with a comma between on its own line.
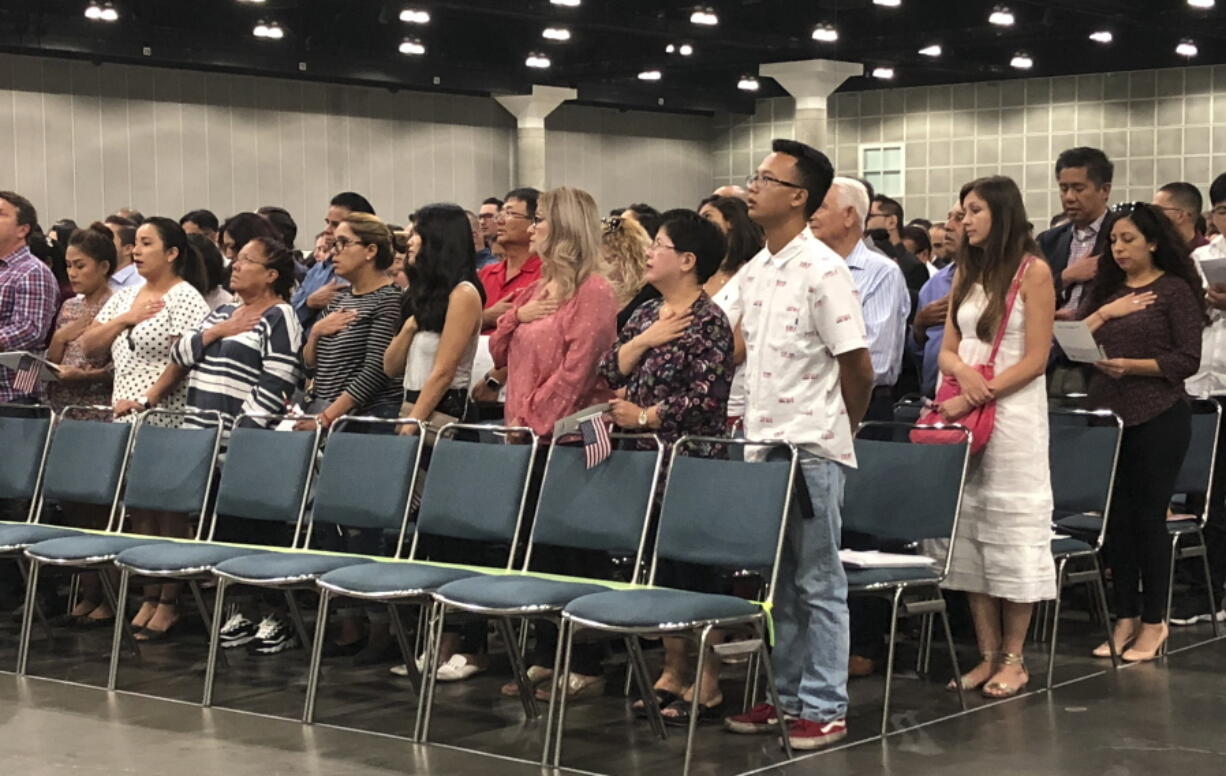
x=674, y=358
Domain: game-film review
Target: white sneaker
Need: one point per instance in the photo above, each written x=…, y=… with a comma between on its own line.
x=400, y=670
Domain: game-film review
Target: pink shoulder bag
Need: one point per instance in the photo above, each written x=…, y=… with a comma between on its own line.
x=980, y=420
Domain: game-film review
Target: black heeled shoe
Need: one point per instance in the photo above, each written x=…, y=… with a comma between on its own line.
x=680, y=712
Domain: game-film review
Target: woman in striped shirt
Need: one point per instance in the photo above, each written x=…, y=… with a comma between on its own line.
x=345, y=348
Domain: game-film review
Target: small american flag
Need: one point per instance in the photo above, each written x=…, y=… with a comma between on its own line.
x=27, y=375
x=596, y=444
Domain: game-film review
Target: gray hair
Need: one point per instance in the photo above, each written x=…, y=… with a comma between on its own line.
x=851, y=193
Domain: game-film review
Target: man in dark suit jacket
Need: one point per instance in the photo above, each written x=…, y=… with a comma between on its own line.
x=1071, y=249
x=886, y=214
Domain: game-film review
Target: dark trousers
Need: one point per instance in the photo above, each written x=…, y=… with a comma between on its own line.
x=1215, y=528
x=585, y=657
x=1138, y=545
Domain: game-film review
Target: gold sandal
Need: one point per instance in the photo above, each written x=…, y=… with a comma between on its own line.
x=1002, y=690
x=988, y=657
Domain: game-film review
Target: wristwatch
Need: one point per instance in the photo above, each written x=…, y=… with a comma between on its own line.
x=492, y=383
x=145, y=402
x=643, y=418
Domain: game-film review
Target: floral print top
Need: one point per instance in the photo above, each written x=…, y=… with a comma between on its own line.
x=688, y=378
x=97, y=392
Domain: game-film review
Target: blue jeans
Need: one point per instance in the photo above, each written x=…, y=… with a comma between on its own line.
x=811, y=621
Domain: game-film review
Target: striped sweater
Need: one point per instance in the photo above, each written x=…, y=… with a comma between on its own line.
x=351, y=361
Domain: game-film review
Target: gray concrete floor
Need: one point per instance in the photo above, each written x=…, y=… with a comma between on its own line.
x=1159, y=718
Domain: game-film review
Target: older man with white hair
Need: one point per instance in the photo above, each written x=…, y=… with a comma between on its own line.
x=839, y=222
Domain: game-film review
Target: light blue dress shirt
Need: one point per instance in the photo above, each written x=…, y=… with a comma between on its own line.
x=886, y=304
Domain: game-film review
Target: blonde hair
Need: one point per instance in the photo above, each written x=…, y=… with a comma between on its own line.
x=571, y=250
x=371, y=230
x=623, y=247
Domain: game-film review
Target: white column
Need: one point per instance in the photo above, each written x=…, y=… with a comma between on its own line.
x=530, y=111
x=811, y=82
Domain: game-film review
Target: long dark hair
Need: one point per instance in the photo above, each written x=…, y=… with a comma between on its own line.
x=994, y=263
x=745, y=236
x=187, y=265
x=1170, y=255
x=210, y=255
x=446, y=258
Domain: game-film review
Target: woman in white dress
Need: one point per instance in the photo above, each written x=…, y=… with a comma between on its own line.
x=1002, y=551
x=140, y=326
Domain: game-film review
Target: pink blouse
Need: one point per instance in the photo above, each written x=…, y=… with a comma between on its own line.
x=552, y=361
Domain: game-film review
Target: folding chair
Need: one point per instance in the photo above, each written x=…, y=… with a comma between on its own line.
x=605, y=508
x=266, y=476
x=1083, y=450
x=707, y=505
x=452, y=505
x=365, y=481
x=1196, y=476
x=25, y=441
x=922, y=502
x=167, y=469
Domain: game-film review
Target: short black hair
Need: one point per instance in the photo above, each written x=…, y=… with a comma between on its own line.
x=648, y=217
x=890, y=207
x=353, y=202
x=1217, y=190
x=527, y=195
x=1186, y=196
x=1099, y=168
x=922, y=222
x=816, y=171
x=691, y=233
x=205, y=219
x=26, y=214
x=492, y=201
x=127, y=229
x=918, y=235
x=283, y=222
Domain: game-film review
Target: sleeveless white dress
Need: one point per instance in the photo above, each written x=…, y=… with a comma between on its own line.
x=1003, y=543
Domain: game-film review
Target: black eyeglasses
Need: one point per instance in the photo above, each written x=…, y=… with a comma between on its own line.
x=763, y=178
x=343, y=242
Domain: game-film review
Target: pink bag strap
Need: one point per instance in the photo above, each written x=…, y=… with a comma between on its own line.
x=1004, y=319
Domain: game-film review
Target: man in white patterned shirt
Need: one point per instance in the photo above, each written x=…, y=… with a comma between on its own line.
x=808, y=378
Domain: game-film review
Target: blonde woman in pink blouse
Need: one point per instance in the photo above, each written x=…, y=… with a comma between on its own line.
x=551, y=341
x=552, y=338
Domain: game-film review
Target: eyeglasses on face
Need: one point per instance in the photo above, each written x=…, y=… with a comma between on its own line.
x=343, y=242
x=761, y=178
x=507, y=215
x=245, y=260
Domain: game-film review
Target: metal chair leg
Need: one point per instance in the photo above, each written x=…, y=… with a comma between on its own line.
x=953, y=658
x=772, y=691
x=295, y=616
x=38, y=609
x=406, y=647
x=205, y=616
x=426, y=703
x=317, y=651
x=559, y=691
x=121, y=616
x=526, y=693
x=889, y=662
x=27, y=617
x=550, y=721
x=694, y=702
x=210, y=671
x=1204, y=560
x=1055, y=621
x=1101, y=589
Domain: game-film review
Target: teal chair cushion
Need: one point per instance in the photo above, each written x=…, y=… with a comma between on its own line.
x=516, y=591
x=1067, y=545
x=87, y=548
x=860, y=578
x=181, y=557
x=391, y=580
x=283, y=567
x=16, y=536
x=1080, y=524
x=658, y=608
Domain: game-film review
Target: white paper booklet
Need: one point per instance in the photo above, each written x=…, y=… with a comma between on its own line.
x=867, y=559
x=1077, y=342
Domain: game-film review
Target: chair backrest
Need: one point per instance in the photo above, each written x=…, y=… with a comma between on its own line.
x=905, y=491
x=86, y=462
x=476, y=490
x=366, y=480
x=267, y=474
x=1196, y=474
x=1083, y=449
x=908, y=409
x=25, y=440
x=602, y=508
x=171, y=469
x=727, y=513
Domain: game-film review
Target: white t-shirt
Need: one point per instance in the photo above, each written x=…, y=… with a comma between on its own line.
x=1211, y=379
x=423, y=350
x=800, y=311
x=729, y=300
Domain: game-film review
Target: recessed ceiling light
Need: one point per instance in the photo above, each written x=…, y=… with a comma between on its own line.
x=556, y=33
x=748, y=84
x=1187, y=48
x=566, y=3
x=705, y=17
x=931, y=51
x=1001, y=16
x=685, y=49
x=537, y=60
x=412, y=47
x=1102, y=36
x=1201, y=3
x=270, y=30
x=888, y=3
x=253, y=2
x=101, y=13
x=884, y=73
x=650, y=75
x=825, y=33
x=415, y=16
x=1022, y=61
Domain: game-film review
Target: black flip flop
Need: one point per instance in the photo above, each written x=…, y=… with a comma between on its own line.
x=681, y=713
x=664, y=699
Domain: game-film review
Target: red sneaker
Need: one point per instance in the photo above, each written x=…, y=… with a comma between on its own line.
x=760, y=719
x=807, y=734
